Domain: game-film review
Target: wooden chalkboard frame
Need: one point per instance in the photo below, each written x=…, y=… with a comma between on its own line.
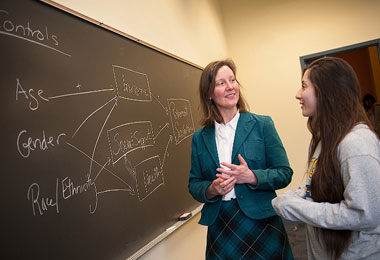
x=194, y=211
x=110, y=28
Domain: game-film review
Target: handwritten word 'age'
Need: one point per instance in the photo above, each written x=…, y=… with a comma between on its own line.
x=34, y=102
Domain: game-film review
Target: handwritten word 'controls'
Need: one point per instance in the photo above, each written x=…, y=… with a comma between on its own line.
x=26, y=30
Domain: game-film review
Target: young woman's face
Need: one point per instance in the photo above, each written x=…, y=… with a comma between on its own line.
x=306, y=96
x=226, y=92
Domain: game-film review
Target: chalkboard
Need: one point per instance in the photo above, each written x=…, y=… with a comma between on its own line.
x=95, y=136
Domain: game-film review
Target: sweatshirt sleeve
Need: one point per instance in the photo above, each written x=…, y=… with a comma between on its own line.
x=360, y=209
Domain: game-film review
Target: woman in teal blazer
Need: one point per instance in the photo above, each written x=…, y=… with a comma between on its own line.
x=237, y=195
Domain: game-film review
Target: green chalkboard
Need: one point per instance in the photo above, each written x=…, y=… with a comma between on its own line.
x=95, y=136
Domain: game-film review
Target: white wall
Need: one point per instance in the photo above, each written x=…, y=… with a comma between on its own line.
x=190, y=29
x=265, y=38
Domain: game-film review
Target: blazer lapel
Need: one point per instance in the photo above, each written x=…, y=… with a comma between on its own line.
x=209, y=140
x=245, y=125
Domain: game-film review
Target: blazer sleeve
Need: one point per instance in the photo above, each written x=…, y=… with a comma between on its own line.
x=278, y=173
x=197, y=182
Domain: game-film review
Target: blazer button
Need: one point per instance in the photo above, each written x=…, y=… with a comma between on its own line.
x=241, y=197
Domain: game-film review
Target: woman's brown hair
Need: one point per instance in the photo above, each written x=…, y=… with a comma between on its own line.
x=339, y=109
x=206, y=88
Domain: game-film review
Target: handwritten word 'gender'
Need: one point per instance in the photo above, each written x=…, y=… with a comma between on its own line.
x=26, y=144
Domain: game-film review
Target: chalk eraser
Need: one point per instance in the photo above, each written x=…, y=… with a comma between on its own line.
x=185, y=216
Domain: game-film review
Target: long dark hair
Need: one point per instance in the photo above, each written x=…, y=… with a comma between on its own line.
x=339, y=109
x=206, y=88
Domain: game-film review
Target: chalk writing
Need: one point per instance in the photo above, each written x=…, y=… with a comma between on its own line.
x=183, y=131
x=29, y=145
x=26, y=31
x=131, y=85
x=69, y=189
x=41, y=204
x=181, y=118
x=149, y=176
x=34, y=102
x=129, y=137
x=123, y=140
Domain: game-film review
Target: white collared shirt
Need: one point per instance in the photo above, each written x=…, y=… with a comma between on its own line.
x=224, y=137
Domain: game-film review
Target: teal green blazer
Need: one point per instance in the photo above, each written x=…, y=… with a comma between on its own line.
x=257, y=140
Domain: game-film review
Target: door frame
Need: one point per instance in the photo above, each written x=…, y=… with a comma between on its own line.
x=307, y=58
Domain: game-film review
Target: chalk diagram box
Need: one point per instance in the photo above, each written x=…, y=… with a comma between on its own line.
x=181, y=119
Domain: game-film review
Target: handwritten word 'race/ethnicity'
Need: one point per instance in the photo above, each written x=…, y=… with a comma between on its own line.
x=64, y=189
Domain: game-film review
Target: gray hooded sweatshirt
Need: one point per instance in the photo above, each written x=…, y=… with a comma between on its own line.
x=359, y=211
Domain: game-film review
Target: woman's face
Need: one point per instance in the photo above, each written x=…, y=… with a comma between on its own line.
x=306, y=96
x=226, y=92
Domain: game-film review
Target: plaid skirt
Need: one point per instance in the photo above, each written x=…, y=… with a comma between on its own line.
x=235, y=236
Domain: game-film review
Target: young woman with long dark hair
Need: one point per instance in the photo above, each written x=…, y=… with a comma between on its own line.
x=340, y=202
